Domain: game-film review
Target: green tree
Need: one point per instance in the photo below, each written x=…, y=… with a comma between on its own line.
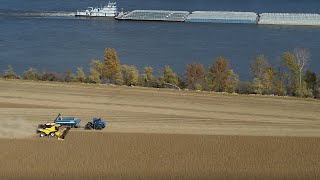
x=304, y=91
x=10, y=74
x=130, y=75
x=195, y=75
x=95, y=76
x=81, y=75
x=31, y=74
x=257, y=86
x=112, y=65
x=218, y=75
x=169, y=77
x=233, y=82
x=148, y=77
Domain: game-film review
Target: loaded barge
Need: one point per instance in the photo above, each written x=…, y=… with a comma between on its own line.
x=110, y=10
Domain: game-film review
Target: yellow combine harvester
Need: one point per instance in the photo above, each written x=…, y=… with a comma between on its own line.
x=52, y=130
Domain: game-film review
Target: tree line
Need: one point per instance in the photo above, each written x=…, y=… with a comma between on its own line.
x=289, y=77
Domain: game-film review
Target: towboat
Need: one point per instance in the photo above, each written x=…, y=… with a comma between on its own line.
x=110, y=10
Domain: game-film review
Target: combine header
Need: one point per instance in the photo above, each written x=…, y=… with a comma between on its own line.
x=52, y=130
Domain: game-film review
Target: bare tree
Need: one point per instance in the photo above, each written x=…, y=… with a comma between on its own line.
x=303, y=57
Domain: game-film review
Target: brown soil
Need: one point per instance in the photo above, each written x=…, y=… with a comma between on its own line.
x=157, y=134
x=86, y=155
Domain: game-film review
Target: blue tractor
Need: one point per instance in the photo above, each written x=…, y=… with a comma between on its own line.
x=96, y=123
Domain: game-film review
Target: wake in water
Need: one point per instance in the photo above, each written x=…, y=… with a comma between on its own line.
x=36, y=14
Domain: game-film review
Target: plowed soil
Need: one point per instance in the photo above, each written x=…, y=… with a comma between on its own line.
x=157, y=134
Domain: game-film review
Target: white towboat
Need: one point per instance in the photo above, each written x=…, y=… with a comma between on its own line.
x=109, y=10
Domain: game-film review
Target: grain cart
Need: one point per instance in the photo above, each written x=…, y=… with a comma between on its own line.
x=67, y=121
x=96, y=123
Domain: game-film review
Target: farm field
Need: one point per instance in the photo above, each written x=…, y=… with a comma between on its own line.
x=157, y=134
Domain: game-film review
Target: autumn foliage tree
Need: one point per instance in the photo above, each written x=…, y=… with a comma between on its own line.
x=218, y=75
x=293, y=72
x=70, y=77
x=262, y=75
x=112, y=65
x=10, y=73
x=195, y=75
x=81, y=75
x=148, y=79
x=269, y=80
x=169, y=78
x=31, y=74
x=130, y=75
x=258, y=66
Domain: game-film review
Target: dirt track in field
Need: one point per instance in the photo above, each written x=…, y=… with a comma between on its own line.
x=157, y=134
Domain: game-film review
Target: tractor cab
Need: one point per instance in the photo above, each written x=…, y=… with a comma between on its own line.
x=96, y=123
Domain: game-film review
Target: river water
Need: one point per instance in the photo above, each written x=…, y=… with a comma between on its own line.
x=61, y=43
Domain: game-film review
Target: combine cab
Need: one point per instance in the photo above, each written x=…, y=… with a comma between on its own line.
x=52, y=130
x=96, y=123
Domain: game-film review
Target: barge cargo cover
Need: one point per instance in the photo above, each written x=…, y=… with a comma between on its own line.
x=223, y=17
x=289, y=19
x=154, y=15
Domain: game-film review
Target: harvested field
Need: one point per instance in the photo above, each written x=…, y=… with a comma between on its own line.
x=86, y=155
x=157, y=134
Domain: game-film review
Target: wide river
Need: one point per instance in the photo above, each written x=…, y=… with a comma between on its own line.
x=61, y=43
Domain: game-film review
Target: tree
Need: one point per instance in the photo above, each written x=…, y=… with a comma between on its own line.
x=293, y=68
x=311, y=80
x=148, y=77
x=31, y=74
x=70, y=77
x=257, y=86
x=112, y=64
x=269, y=80
x=98, y=66
x=81, y=75
x=95, y=76
x=118, y=79
x=233, y=82
x=169, y=78
x=318, y=93
x=280, y=78
x=51, y=76
x=245, y=88
x=130, y=75
x=218, y=74
x=303, y=57
x=258, y=66
x=10, y=74
x=195, y=75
